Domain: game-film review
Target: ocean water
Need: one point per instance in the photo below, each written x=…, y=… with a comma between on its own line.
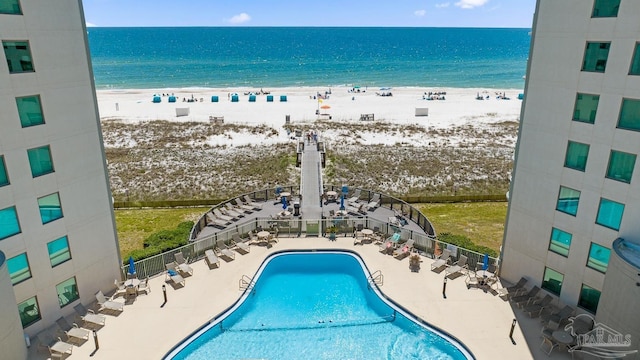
x=289, y=56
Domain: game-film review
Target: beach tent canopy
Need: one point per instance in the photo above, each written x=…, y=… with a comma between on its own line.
x=252, y=98
x=269, y=98
x=234, y=98
x=214, y=98
x=283, y=98
x=157, y=98
x=172, y=98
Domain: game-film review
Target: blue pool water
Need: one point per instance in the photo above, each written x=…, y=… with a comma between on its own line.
x=316, y=306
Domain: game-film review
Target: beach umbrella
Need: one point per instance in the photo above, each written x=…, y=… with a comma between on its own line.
x=132, y=266
x=284, y=202
x=342, y=202
x=485, y=262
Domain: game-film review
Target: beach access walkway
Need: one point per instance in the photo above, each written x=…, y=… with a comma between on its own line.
x=311, y=187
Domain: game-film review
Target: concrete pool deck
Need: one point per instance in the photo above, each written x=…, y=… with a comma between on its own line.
x=145, y=330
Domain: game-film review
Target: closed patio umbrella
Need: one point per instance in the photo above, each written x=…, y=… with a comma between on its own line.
x=132, y=267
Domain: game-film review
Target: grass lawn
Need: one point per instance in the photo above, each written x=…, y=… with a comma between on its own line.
x=482, y=222
x=134, y=225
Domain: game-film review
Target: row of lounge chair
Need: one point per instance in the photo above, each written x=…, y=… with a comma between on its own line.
x=361, y=208
x=393, y=246
x=222, y=216
x=78, y=332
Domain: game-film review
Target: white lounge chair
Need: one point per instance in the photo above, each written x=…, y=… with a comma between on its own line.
x=374, y=203
x=73, y=332
x=241, y=243
x=355, y=198
x=173, y=275
x=211, y=258
x=249, y=201
x=459, y=267
x=182, y=264
x=106, y=304
x=213, y=221
x=404, y=249
x=232, y=211
x=57, y=347
x=89, y=318
x=219, y=215
x=222, y=249
x=443, y=260
x=246, y=208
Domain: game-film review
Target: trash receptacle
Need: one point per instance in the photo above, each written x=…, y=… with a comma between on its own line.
x=296, y=208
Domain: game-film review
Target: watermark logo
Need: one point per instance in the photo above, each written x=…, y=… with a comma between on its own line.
x=598, y=339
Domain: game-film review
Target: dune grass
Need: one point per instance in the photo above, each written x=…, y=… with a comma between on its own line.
x=135, y=225
x=482, y=222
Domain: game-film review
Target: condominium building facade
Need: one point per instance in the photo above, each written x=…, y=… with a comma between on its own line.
x=57, y=228
x=573, y=222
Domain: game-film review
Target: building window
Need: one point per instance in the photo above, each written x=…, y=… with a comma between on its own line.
x=585, y=108
x=50, y=208
x=568, y=200
x=589, y=298
x=605, y=8
x=635, y=63
x=560, y=242
x=40, y=161
x=9, y=224
x=610, y=214
x=67, y=291
x=621, y=166
x=29, y=311
x=30, y=111
x=595, y=56
x=552, y=281
x=598, y=258
x=576, y=157
x=630, y=115
x=18, y=56
x=4, y=178
x=59, y=251
x=10, y=7
x=18, y=267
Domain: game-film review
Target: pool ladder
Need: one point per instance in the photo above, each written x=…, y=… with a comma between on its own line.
x=376, y=278
x=246, y=283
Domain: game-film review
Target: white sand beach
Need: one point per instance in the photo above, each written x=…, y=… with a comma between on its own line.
x=462, y=141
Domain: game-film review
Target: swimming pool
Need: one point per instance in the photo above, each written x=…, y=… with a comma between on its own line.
x=316, y=305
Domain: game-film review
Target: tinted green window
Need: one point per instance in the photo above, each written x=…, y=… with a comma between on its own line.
x=595, y=56
x=598, y=257
x=605, y=8
x=59, y=251
x=18, y=267
x=40, y=161
x=4, y=178
x=29, y=311
x=560, y=242
x=50, y=208
x=621, y=166
x=576, y=157
x=630, y=115
x=10, y=7
x=610, y=214
x=9, y=224
x=18, y=56
x=589, y=298
x=67, y=291
x=552, y=281
x=568, y=200
x=635, y=63
x=30, y=111
x=586, y=108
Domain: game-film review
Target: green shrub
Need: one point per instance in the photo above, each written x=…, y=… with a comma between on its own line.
x=464, y=242
x=162, y=241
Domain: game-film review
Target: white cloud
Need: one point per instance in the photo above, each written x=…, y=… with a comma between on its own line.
x=443, y=5
x=420, y=13
x=470, y=4
x=240, y=18
x=91, y=24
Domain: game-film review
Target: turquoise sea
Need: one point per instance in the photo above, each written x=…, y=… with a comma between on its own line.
x=308, y=56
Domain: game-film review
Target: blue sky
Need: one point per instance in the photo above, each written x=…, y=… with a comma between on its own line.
x=412, y=13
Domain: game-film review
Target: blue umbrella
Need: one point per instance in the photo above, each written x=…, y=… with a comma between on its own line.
x=132, y=266
x=342, y=202
x=485, y=262
x=284, y=202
